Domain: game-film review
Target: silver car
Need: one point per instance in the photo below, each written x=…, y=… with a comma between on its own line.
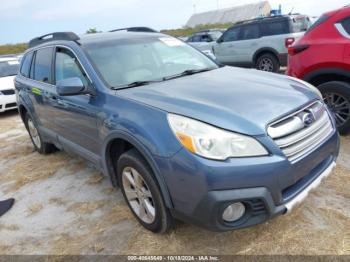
x=261, y=42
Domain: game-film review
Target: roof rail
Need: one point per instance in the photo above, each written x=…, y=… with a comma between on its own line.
x=69, y=36
x=259, y=18
x=136, y=29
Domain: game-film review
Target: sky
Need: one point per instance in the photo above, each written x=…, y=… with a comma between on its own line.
x=22, y=20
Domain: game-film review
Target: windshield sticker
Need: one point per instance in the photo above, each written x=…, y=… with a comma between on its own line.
x=169, y=41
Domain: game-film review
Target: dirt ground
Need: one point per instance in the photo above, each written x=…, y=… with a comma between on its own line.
x=64, y=206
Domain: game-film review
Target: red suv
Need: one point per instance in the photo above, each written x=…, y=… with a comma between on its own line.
x=322, y=58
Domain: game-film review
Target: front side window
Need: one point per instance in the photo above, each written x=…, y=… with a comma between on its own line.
x=67, y=66
x=27, y=61
x=125, y=61
x=232, y=35
x=9, y=68
x=42, y=65
x=275, y=28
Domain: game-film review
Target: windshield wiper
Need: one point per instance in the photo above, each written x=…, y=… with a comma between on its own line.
x=187, y=73
x=135, y=84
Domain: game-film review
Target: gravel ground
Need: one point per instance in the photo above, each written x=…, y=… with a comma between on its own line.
x=64, y=206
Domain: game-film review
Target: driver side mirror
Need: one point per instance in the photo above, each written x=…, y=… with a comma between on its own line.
x=71, y=87
x=220, y=40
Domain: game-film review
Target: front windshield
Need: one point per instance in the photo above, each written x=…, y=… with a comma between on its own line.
x=125, y=61
x=9, y=68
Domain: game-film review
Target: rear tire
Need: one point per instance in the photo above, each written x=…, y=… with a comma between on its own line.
x=38, y=143
x=336, y=95
x=268, y=63
x=142, y=193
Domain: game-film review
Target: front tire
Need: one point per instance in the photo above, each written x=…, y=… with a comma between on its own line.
x=336, y=95
x=268, y=63
x=142, y=193
x=39, y=144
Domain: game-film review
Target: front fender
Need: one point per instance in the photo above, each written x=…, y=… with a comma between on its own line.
x=145, y=152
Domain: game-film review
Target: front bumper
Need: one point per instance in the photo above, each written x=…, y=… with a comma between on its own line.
x=201, y=189
x=7, y=102
x=259, y=204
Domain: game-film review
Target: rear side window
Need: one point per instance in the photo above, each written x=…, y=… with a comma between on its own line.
x=275, y=28
x=42, y=65
x=196, y=38
x=27, y=61
x=346, y=24
x=206, y=38
x=250, y=32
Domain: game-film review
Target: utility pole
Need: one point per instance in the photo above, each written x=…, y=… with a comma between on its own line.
x=217, y=4
x=194, y=8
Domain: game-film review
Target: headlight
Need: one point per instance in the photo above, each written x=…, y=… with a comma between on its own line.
x=308, y=85
x=211, y=142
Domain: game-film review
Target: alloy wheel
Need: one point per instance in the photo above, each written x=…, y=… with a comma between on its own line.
x=138, y=195
x=34, y=133
x=266, y=64
x=339, y=106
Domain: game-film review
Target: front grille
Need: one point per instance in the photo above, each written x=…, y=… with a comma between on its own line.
x=301, y=133
x=8, y=92
x=10, y=105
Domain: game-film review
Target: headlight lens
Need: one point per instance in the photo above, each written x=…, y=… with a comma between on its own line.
x=211, y=142
x=308, y=85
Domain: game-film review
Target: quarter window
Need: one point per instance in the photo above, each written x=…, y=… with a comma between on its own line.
x=67, y=66
x=27, y=61
x=346, y=24
x=42, y=65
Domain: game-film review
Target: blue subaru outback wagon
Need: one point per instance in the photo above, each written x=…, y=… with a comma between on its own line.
x=183, y=137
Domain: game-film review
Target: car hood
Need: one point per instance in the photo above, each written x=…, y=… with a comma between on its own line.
x=236, y=99
x=7, y=83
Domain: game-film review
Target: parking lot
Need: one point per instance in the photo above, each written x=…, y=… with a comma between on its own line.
x=64, y=206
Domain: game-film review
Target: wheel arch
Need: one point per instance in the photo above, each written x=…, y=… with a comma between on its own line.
x=264, y=50
x=127, y=141
x=324, y=75
x=22, y=111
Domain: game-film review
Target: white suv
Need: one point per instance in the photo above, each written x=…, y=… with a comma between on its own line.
x=9, y=67
x=262, y=42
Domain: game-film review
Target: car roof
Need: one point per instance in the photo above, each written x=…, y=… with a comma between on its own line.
x=268, y=19
x=85, y=39
x=118, y=35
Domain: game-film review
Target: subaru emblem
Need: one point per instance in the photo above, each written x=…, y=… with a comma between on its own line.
x=308, y=119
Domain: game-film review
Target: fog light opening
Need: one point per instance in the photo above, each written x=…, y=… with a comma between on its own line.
x=233, y=212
